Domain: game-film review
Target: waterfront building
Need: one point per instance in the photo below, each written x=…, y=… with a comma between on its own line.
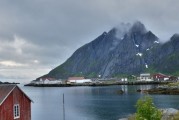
x=145, y=77
x=160, y=77
x=47, y=81
x=124, y=79
x=14, y=103
x=78, y=80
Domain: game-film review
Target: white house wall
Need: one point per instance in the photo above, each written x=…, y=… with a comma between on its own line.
x=81, y=81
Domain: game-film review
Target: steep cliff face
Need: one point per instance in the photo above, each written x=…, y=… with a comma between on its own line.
x=129, y=57
x=128, y=49
x=168, y=56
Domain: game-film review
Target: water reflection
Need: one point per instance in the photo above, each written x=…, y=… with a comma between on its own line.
x=90, y=103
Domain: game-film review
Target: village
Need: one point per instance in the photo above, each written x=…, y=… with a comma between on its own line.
x=17, y=105
x=142, y=78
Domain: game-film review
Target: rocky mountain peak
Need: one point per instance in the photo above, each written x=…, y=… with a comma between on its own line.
x=122, y=29
x=175, y=36
x=125, y=49
x=138, y=27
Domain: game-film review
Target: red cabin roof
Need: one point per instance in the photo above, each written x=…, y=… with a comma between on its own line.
x=6, y=89
x=160, y=75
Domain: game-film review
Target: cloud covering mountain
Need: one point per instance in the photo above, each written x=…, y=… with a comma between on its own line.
x=129, y=50
x=38, y=35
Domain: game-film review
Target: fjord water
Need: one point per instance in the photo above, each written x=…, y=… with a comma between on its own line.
x=90, y=103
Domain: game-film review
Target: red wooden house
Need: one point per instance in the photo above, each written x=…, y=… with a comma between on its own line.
x=14, y=103
x=160, y=77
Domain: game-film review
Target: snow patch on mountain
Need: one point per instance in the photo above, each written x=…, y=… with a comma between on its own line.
x=146, y=66
x=136, y=45
x=139, y=54
x=156, y=42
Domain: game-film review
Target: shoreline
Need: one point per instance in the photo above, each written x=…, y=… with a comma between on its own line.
x=162, y=90
x=100, y=84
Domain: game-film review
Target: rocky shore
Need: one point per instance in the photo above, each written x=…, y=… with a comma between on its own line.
x=167, y=114
x=170, y=89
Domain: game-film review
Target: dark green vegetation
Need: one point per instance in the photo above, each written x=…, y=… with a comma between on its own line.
x=146, y=110
x=122, y=52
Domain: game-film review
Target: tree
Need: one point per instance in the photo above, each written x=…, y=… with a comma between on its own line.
x=146, y=110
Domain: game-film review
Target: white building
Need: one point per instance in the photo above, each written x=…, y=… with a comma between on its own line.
x=124, y=79
x=47, y=81
x=52, y=81
x=78, y=80
x=145, y=77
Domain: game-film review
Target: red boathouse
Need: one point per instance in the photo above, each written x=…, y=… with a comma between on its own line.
x=14, y=103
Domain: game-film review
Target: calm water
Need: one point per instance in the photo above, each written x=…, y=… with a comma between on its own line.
x=90, y=103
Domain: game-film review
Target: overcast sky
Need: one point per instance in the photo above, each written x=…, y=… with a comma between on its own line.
x=38, y=35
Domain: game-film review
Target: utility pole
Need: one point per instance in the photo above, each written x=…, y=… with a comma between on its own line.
x=63, y=107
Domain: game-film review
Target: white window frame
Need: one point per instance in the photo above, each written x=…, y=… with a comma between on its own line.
x=16, y=111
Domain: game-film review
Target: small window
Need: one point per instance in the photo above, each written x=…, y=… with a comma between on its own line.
x=16, y=111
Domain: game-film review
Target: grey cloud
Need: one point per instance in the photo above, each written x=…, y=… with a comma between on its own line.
x=54, y=29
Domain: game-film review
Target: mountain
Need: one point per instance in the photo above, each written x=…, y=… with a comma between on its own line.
x=124, y=50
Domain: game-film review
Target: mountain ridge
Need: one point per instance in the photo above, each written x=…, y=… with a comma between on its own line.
x=130, y=50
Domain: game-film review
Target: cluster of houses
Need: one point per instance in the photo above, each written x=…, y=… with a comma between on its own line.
x=71, y=80
x=82, y=80
x=156, y=77
x=46, y=80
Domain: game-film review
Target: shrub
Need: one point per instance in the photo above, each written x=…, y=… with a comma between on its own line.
x=146, y=110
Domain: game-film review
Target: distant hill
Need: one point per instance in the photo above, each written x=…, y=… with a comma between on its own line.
x=124, y=50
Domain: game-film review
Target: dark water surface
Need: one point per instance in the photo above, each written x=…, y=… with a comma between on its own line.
x=90, y=103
